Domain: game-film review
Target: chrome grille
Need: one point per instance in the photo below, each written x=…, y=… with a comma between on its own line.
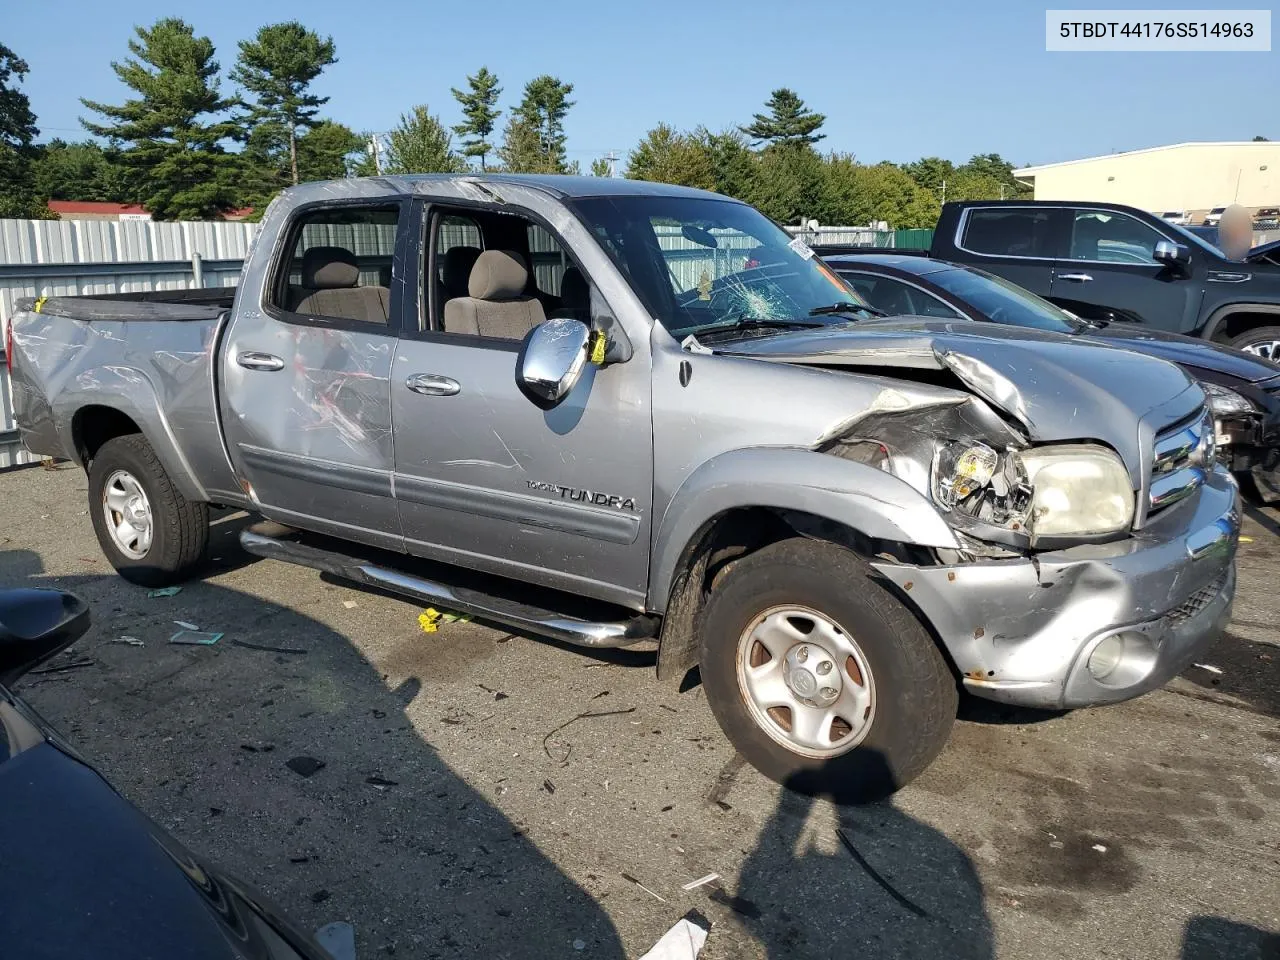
x=1178, y=460
x=1196, y=602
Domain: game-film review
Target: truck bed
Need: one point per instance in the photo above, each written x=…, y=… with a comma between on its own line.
x=193, y=303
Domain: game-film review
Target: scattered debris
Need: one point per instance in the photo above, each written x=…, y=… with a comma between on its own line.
x=304, y=766
x=602, y=693
x=350, y=604
x=663, y=706
x=684, y=941
x=215, y=811
x=74, y=664
x=1246, y=539
x=190, y=635
x=131, y=641
x=874, y=875
x=581, y=716
x=630, y=879
x=667, y=809
x=739, y=905
x=452, y=721
x=1101, y=848
x=381, y=782
x=725, y=780
x=338, y=939
x=1208, y=667
x=299, y=859
x=163, y=592
x=548, y=786
x=258, y=748
x=497, y=694
x=701, y=881
x=320, y=896
x=186, y=626
x=431, y=618
x=265, y=648
x=579, y=945
x=726, y=807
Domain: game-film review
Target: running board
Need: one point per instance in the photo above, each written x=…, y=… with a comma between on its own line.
x=518, y=616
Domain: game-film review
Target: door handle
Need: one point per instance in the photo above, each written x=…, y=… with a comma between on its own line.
x=1075, y=277
x=253, y=360
x=433, y=385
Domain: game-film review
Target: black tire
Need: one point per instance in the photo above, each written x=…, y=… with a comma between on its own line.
x=1259, y=335
x=916, y=694
x=180, y=528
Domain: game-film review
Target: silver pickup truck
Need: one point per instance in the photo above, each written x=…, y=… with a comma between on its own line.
x=615, y=413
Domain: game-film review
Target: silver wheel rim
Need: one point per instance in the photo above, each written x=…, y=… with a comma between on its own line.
x=128, y=514
x=1267, y=349
x=806, y=682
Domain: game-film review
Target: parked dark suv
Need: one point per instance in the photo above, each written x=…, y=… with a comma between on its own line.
x=1105, y=261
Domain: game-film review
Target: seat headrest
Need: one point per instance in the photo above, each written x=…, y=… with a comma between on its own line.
x=329, y=268
x=455, y=274
x=498, y=275
x=574, y=290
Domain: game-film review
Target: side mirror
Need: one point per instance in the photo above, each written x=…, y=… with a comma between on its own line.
x=551, y=360
x=1172, y=254
x=34, y=626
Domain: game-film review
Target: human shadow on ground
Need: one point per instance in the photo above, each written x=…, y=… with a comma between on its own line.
x=383, y=834
x=890, y=886
x=1216, y=938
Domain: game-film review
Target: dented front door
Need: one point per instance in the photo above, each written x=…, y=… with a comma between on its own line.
x=487, y=480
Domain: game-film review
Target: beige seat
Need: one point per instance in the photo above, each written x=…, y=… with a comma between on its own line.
x=496, y=305
x=329, y=288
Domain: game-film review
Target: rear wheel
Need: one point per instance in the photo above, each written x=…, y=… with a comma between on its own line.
x=822, y=679
x=151, y=533
x=1260, y=341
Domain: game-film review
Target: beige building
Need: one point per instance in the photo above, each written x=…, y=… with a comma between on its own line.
x=1193, y=177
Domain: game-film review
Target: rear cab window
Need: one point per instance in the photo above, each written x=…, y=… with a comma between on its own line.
x=338, y=265
x=1009, y=232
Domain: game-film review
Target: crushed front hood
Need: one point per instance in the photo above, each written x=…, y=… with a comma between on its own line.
x=1058, y=389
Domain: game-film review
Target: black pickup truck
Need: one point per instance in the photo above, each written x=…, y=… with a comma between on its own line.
x=1105, y=261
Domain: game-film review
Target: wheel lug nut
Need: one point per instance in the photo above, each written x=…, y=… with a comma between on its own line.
x=802, y=654
x=824, y=668
x=828, y=693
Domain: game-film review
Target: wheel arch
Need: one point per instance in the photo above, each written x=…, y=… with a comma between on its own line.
x=1233, y=319
x=743, y=501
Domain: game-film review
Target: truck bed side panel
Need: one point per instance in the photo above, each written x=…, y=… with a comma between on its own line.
x=160, y=374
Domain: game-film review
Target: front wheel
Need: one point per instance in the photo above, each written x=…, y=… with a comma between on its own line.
x=820, y=677
x=1261, y=342
x=151, y=533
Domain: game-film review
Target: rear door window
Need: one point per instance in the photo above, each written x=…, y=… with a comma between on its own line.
x=1009, y=232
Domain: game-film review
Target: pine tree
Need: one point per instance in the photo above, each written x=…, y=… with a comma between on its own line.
x=600, y=167
x=480, y=107
x=278, y=67
x=789, y=122
x=173, y=132
x=534, y=139
x=17, y=132
x=421, y=144
x=329, y=151
x=667, y=156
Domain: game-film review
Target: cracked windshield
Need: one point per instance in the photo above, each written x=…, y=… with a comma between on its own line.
x=718, y=269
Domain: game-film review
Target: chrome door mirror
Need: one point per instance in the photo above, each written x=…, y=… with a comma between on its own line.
x=1173, y=254
x=551, y=361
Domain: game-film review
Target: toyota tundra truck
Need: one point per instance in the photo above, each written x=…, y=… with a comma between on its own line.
x=617, y=413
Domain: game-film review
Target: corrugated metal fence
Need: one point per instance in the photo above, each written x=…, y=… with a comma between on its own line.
x=85, y=257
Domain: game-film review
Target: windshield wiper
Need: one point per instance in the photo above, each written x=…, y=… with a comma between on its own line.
x=745, y=323
x=847, y=306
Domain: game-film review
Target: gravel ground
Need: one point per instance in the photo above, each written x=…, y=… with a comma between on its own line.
x=445, y=821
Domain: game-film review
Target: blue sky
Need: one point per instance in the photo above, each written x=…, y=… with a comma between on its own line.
x=896, y=81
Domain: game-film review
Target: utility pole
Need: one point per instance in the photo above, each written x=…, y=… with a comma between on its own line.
x=944, y=191
x=613, y=163
x=374, y=149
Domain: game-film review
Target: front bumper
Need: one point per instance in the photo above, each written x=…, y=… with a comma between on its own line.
x=1022, y=631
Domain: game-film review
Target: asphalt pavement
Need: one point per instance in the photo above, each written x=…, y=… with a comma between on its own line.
x=469, y=793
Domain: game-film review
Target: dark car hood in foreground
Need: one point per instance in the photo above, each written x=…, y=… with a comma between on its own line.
x=1187, y=351
x=1058, y=388
x=85, y=875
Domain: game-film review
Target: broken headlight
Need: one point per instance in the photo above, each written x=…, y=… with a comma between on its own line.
x=1069, y=490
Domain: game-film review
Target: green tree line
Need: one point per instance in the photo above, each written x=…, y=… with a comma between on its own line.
x=186, y=148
